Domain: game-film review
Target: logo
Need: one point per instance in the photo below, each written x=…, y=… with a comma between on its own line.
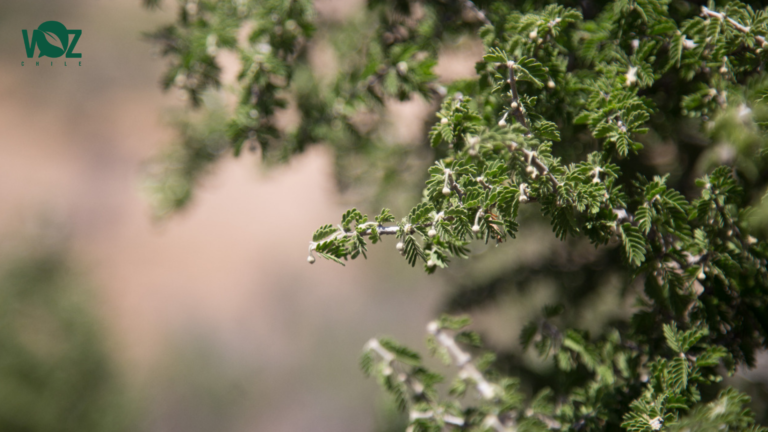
x=52, y=39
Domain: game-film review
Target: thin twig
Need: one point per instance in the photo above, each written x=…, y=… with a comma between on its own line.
x=463, y=361
x=489, y=391
x=721, y=16
x=416, y=387
x=480, y=15
x=517, y=109
x=533, y=160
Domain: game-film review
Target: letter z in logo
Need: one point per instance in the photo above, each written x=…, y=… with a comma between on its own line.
x=52, y=39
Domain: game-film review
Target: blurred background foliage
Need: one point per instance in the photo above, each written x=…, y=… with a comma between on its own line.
x=204, y=322
x=57, y=370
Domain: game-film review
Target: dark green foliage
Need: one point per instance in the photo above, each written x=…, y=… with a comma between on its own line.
x=571, y=115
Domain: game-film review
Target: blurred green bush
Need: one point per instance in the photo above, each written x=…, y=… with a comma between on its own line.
x=55, y=370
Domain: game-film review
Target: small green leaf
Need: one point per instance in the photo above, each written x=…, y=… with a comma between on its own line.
x=323, y=232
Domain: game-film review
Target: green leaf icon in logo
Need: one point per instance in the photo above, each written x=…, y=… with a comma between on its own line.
x=55, y=39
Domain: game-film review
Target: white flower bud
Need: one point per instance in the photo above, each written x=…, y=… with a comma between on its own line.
x=532, y=35
x=475, y=228
x=433, y=327
x=444, y=121
x=311, y=259
x=551, y=84
x=446, y=191
x=502, y=123
x=431, y=264
x=656, y=423
x=723, y=69
x=631, y=76
x=472, y=151
x=514, y=106
x=402, y=68
x=180, y=80
x=400, y=246
x=432, y=233
x=524, y=193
